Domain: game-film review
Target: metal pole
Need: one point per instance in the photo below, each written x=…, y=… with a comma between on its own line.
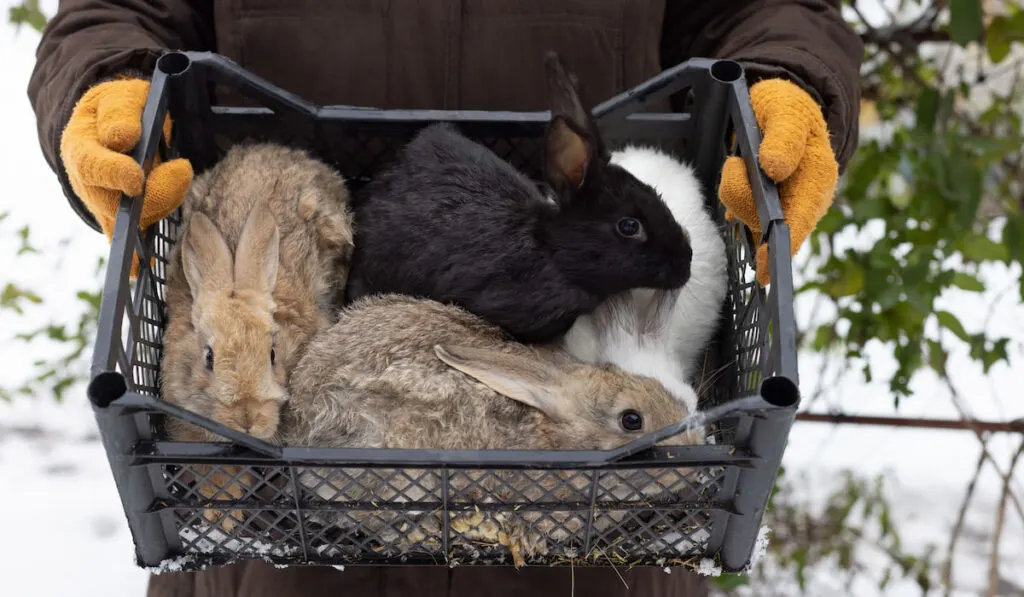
x=967, y=424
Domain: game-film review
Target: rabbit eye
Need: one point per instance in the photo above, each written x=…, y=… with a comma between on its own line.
x=630, y=228
x=273, y=356
x=209, y=358
x=631, y=420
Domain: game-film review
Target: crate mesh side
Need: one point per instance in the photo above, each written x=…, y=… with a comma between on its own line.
x=360, y=515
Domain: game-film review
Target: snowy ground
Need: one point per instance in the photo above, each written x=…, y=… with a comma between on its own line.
x=66, y=534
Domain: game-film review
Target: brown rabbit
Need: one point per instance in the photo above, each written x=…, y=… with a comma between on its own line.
x=399, y=372
x=262, y=257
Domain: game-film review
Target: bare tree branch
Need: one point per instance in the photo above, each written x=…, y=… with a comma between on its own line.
x=955, y=397
x=947, y=568
x=993, y=562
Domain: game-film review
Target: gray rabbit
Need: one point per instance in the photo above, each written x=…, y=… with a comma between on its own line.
x=400, y=372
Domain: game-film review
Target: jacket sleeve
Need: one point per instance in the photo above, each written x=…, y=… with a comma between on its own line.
x=805, y=41
x=88, y=41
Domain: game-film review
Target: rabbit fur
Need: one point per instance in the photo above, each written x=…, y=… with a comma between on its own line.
x=650, y=331
x=265, y=241
x=400, y=372
x=453, y=222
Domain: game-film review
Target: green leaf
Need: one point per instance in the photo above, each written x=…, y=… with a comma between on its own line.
x=12, y=295
x=92, y=299
x=863, y=173
x=45, y=375
x=988, y=352
x=923, y=581
x=871, y=207
x=1001, y=33
x=978, y=247
x=27, y=13
x=884, y=521
x=849, y=280
x=951, y=323
x=833, y=221
x=57, y=333
x=728, y=582
x=998, y=47
x=823, y=337
x=967, y=184
x=995, y=354
x=62, y=386
x=800, y=557
x=1013, y=235
x=866, y=372
x=927, y=108
x=965, y=21
x=937, y=357
x=967, y=282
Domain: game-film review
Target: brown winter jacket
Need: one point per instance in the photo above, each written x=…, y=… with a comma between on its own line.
x=447, y=54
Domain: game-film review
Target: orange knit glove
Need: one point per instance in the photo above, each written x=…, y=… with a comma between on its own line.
x=795, y=153
x=104, y=125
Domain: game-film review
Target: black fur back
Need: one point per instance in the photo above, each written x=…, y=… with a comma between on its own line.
x=453, y=222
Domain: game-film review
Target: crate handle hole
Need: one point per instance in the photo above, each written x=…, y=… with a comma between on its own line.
x=780, y=392
x=726, y=71
x=173, y=64
x=106, y=388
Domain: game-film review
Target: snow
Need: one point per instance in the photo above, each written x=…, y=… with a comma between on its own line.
x=708, y=567
x=66, y=533
x=760, y=546
x=171, y=565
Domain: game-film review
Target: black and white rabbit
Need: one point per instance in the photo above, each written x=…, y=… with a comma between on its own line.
x=654, y=332
x=453, y=222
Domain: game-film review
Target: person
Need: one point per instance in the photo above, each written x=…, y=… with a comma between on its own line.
x=89, y=85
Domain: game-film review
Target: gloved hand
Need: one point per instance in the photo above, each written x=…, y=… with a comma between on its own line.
x=105, y=123
x=795, y=153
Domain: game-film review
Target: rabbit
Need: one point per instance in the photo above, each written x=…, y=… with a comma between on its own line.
x=402, y=372
x=263, y=250
x=453, y=222
x=656, y=332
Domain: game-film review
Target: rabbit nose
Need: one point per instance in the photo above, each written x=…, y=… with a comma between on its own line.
x=247, y=421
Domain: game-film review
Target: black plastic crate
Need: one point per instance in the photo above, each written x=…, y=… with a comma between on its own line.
x=637, y=505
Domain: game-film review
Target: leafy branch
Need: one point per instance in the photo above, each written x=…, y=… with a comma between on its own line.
x=943, y=182
x=855, y=526
x=67, y=342
x=28, y=13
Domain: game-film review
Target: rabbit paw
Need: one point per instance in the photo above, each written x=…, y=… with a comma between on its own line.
x=221, y=482
x=227, y=522
x=522, y=543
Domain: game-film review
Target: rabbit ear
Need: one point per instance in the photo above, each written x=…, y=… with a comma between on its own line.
x=568, y=154
x=573, y=141
x=205, y=256
x=257, y=258
x=533, y=382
